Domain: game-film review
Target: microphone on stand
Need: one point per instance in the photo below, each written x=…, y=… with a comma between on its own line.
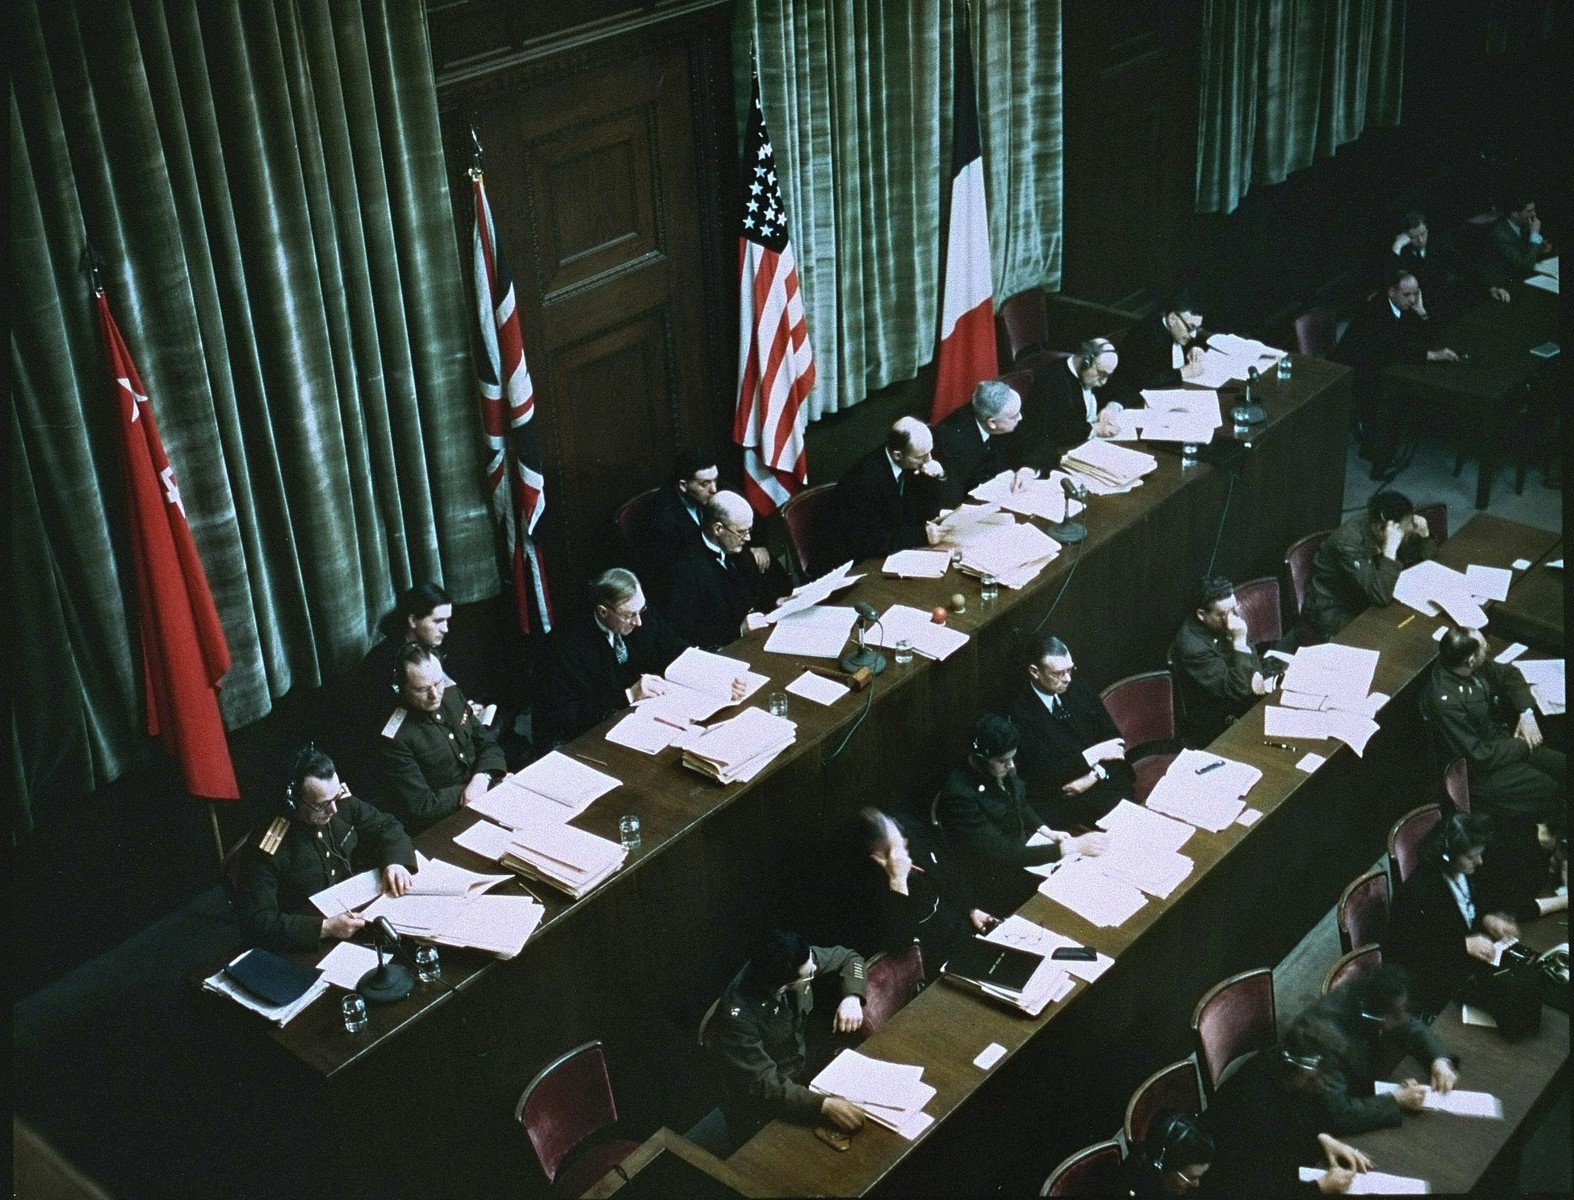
x=1248, y=411
x=1068, y=532
x=388, y=981
x=861, y=655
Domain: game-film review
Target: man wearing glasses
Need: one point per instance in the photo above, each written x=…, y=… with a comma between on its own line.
x=434, y=755
x=322, y=837
x=1072, y=757
x=1063, y=409
x=717, y=591
x=1163, y=351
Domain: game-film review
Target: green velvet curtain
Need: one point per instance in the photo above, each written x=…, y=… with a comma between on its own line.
x=1287, y=81
x=267, y=184
x=857, y=99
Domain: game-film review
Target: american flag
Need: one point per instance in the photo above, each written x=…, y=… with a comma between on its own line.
x=775, y=363
x=508, y=410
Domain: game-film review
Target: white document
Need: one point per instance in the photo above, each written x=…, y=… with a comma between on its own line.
x=644, y=731
x=1310, y=762
x=1178, y=427
x=1460, y=1102
x=1332, y=670
x=434, y=877
x=564, y=780
x=818, y=688
x=738, y=749
x=1511, y=652
x=816, y=632
x=916, y=564
x=1004, y=550
x=346, y=964
x=1016, y=930
x=713, y=674
x=499, y=925
x=1370, y=706
x=1236, y=346
x=1278, y=721
x=1548, y=267
x=891, y=1094
x=1249, y=817
x=1217, y=369
x=1545, y=677
x=989, y=1056
x=1351, y=728
x=1037, y=498
x=813, y=592
x=1156, y=872
x=1095, y=897
x=417, y=915
x=1545, y=282
x=1109, y=465
x=1374, y=1183
x=902, y=622
x=1521, y=564
x=1205, y=795
x=1128, y=822
x=1429, y=586
x=486, y=839
x=1488, y=583
x=349, y=894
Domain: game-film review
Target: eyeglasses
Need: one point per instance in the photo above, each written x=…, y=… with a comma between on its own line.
x=1057, y=672
x=328, y=804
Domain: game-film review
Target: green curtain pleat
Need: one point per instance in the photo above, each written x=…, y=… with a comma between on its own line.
x=1288, y=81
x=858, y=100
x=267, y=184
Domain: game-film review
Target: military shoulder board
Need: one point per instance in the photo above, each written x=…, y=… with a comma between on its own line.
x=395, y=722
x=274, y=835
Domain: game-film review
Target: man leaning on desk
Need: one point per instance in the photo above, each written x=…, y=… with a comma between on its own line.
x=1358, y=564
x=887, y=501
x=759, y=1031
x=718, y=591
x=1220, y=673
x=322, y=836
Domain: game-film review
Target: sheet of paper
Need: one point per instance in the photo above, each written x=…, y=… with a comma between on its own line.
x=816, y=632
x=1511, y=652
x=714, y=674
x=1016, y=930
x=419, y=915
x=1521, y=564
x=1279, y=722
x=641, y=730
x=902, y=621
x=1488, y=583
x=1460, y=1102
x=1374, y=1183
x=989, y=1056
x=1128, y=821
x=1425, y=586
x=435, y=877
x=486, y=839
x=1249, y=817
x=499, y=925
x=917, y=564
x=1332, y=670
x=1093, y=896
x=346, y=964
x=1201, y=793
x=1469, y=1014
x=1155, y=872
x=1548, y=267
x=1546, y=679
x=1037, y=498
x=349, y=894
x=1310, y=762
x=817, y=688
x=280, y=1015
x=1545, y=282
x=1463, y=610
x=813, y=592
x=564, y=780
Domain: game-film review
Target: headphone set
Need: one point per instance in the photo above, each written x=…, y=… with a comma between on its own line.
x=1306, y=1062
x=303, y=757
x=1083, y=361
x=1452, y=838
x=1172, y=1131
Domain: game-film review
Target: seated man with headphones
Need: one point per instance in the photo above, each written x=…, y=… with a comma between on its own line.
x=323, y=836
x=1062, y=410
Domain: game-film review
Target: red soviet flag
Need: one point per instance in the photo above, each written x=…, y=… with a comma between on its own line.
x=184, y=654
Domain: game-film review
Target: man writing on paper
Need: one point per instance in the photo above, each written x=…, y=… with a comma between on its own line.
x=603, y=660
x=717, y=591
x=1220, y=674
x=887, y=501
x=433, y=754
x=322, y=837
x=1358, y=564
x=973, y=444
x=1063, y=410
x=1072, y=758
x=1514, y=775
x=984, y=811
x=1162, y=351
x=759, y=1031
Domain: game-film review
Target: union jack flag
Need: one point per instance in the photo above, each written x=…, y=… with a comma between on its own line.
x=508, y=410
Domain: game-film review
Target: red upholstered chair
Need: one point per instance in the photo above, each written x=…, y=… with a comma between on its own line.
x=1143, y=709
x=564, y=1106
x=1025, y=318
x=802, y=515
x=891, y=980
x=1350, y=965
x=1314, y=332
x=1404, y=839
x=1232, y=1019
x=1436, y=516
x=1362, y=913
x=631, y=518
x=1456, y=784
x=1171, y=1089
x=1298, y=568
x=1092, y=1171
x=1262, y=609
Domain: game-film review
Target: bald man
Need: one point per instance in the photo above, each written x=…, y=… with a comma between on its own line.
x=717, y=591
x=887, y=502
x=1063, y=407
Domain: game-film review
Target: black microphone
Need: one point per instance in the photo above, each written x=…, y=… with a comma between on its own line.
x=384, y=932
x=866, y=610
x=1066, y=531
x=388, y=981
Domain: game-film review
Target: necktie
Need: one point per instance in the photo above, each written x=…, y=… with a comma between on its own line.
x=620, y=650
x=901, y=484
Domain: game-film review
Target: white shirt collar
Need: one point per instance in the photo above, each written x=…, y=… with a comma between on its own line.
x=982, y=432
x=896, y=467
x=1398, y=316
x=1049, y=700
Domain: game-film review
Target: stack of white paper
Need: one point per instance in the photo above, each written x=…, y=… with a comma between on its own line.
x=740, y=748
x=915, y=564
x=813, y=592
x=1172, y=415
x=966, y=518
x=499, y=925
x=1488, y=583
x=819, y=631
x=1016, y=930
x=1374, y=1183
x=1228, y=357
x=1149, y=869
x=1106, y=467
x=1132, y=823
x=1014, y=554
x=554, y=784
x=1352, y=728
x=700, y=684
x=1545, y=677
x=1205, y=795
x=279, y=1014
x=566, y=857
x=890, y=1094
x=1037, y=498
x=1429, y=586
x=1100, y=899
x=901, y=622
x=1340, y=675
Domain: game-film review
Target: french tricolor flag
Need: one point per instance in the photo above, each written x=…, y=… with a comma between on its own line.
x=967, y=316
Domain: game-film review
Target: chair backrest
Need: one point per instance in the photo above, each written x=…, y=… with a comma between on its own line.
x=1261, y=609
x=1092, y=1171
x=632, y=517
x=1490, y=217
x=802, y=515
x=1171, y=1089
x=570, y=1100
x=1298, y=566
x=1350, y=965
x=1436, y=516
x=1025, y=317
x=1404, y=839
x=1142, y=707
x=1456, y=784
x=1233, y=1018
x=1314, y=332
x=891, y=980
x=1362, y=913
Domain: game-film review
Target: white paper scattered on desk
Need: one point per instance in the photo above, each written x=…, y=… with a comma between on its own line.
x=1310, y=762
x=1460, y=1102
x=349, y=894
x=1341, y=673
x=643, y=731
x=1548, y=267
x=817, y=688
x=1351, y=728
x=1016, y=930
x=890, y=1094
x=346, y=964
x=1249, y=817
x=486, y=839
x=1488, y=583
x=1036, y=498
x=1545, y=282
x=916, y=564
x=1014, y=553
x=1132, y=821
x=902, y=621
x=1374, y=1183
x=1429, y=586
x=1210, y=799
x=1511, y=652
x=989, y=1056
x=1521, y=564
x=819, y=631
x=1555, y=563
x=1092, y=895
x=813, y=592
x=1545, y=677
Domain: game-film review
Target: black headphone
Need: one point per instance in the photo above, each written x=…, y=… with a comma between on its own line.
x=1172, y=1131
x=1453, y=837
x=303, y=758
x=1307, y=1062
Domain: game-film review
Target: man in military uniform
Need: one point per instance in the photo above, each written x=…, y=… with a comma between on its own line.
x=433, y=754
x=1514, y=776
x=1219, y=672
x=759, y=1032
x=1358, y=564
x=323, y=837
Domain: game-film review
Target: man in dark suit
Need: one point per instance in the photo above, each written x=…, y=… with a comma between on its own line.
x=1385, y=333
x=718, y=592
x=673, y=521
x=887, y=501
x=1062, y=410
x=1072, y=757
x=602, y=661
x=1449, y=289
x=977, y=442
x=1514, y=243
x=1160, y=351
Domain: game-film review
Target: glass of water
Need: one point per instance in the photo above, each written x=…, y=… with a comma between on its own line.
x=428, y=966
x=956, y=558
x=778, y=704
x=904, y=651
x=988, y=587
x=354, y=1009
x=1284, y=369
x=628, y=831
x=1189, y=454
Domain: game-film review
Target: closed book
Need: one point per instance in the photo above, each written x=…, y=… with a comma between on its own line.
x=988, y=962
x=268, y=977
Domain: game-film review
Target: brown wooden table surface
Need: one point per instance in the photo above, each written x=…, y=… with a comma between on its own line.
x=714, y=1174
x=1316, y=832
x=1533, y=612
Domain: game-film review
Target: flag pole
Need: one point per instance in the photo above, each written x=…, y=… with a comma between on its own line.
x=218, y=838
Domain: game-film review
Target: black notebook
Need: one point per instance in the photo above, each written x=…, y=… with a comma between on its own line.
x=272, y=979
x=988, y=962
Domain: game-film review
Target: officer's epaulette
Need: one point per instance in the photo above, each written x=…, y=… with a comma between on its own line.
x=395, y=721
x=274, y=835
